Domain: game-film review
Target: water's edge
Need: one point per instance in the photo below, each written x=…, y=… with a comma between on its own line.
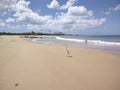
x=106, y=45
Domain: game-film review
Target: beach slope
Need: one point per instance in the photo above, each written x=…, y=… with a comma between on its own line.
x=26, y=65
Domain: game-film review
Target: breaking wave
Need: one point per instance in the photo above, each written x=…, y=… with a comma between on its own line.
x=93, y=42
x=68, y=39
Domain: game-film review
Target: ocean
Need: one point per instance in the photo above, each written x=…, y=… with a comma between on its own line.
x=109, y=43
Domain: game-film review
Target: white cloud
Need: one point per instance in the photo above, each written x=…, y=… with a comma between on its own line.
x=115, y=9
x=68, y=4
x=54, y=4
x=107, y=12
x=75, y=18
x=33, y=27
x=5, y=4
x=80, y=11
x=9, y=20
x=24, y=14
x=3, y=13
x=2, y=23
x=15, y=27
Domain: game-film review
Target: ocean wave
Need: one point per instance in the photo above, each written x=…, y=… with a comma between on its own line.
x=93, y=42
x=103, y=43
x=82, y=41
x=34, y=40
x=69, y=39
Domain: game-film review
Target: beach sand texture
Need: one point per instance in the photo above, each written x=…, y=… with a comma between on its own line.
x=26, y=65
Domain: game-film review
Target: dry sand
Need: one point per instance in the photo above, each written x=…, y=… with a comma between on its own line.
x=30, y=66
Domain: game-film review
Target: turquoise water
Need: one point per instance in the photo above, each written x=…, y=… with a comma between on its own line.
x=110, y=43
x=111, y=38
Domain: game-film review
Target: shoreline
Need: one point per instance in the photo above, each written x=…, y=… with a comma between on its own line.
x=76, y=46
x=28, y=66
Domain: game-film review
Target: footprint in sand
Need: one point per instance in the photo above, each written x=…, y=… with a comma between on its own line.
x=16, y=84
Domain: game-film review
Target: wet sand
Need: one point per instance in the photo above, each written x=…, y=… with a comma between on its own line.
x=26, y=65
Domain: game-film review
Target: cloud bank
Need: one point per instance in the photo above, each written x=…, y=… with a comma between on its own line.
x=75, y=17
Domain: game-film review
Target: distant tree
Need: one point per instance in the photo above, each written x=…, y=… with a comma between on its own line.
x=33, y=32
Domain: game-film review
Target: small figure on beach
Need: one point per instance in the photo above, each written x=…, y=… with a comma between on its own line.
x=68, y=52
x=85, y=42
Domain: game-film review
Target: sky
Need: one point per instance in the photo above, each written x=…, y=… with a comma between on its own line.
x=84, y=17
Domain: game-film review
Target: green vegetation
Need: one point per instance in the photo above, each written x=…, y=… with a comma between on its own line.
x=31, y=33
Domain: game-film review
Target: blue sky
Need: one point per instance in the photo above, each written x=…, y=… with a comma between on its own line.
x=85, y=17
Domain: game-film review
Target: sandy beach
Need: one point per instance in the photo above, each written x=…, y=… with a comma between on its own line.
x=26, y=65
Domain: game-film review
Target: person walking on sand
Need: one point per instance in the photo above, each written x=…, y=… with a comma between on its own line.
x=85, y=42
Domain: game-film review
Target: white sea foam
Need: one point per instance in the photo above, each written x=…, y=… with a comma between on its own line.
x=93, y=42
x=34, y=40
x=69, y=39
x=88, y=42
x=97, y=44
x=103, y=43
